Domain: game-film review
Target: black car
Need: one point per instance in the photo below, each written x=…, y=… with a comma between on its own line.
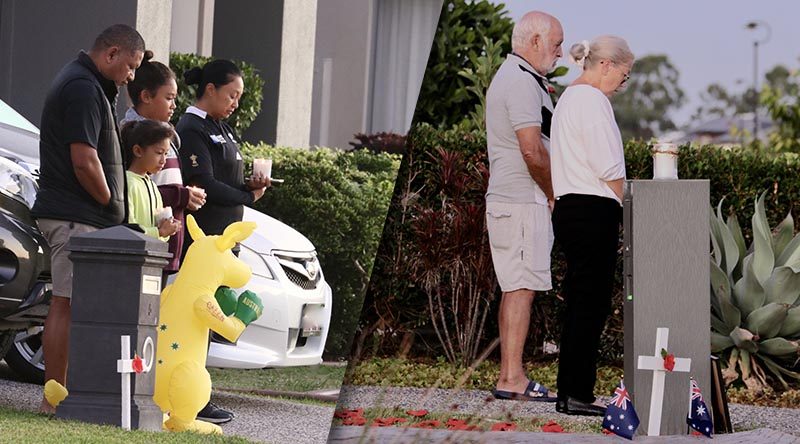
x=24, y=253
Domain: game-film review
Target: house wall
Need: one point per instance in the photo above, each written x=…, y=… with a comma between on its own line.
x=342, y=67
x=37, y=38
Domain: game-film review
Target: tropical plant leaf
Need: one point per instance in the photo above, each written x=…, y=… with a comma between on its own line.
x=720, y=342
x=738, y=237
x=729, y=246
x=763, y=258
x=790, y=256
x=782, y=235
x=783, y=286
x=743, y=339
x=716, y=240
x=791, y=325
x=748, y=294
x=767, y=320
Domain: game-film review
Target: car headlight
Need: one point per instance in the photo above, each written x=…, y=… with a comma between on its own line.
x=256, y=262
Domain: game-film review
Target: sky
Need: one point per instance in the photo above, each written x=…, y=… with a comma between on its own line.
x=704, y=39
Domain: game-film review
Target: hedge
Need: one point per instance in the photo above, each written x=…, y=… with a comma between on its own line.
x=338, y=200
x=395, y=319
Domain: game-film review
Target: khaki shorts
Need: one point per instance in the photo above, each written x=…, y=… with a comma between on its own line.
x=58, y=233
x=521, y=237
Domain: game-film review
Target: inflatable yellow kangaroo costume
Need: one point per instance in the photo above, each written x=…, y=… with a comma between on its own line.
x=188, y=311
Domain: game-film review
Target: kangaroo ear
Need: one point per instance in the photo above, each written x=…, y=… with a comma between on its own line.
x=194, y=229
x=236, y=232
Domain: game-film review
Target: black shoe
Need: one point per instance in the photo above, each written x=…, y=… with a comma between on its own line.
x=571, y=406
x=215, y=415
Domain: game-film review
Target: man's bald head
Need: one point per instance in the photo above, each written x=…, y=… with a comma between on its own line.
x=537, y=36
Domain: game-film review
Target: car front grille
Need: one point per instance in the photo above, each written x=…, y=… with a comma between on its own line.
x=300, y=280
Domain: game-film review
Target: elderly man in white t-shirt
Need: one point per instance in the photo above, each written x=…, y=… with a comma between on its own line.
x=520, y=194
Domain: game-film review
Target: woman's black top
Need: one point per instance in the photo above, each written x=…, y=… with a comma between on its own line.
x=210, y=159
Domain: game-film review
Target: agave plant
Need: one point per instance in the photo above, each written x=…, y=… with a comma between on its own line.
x=755, y=316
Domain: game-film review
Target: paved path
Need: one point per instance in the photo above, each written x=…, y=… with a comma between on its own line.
x=399, y=435
x=743, y=417
x=257, y=418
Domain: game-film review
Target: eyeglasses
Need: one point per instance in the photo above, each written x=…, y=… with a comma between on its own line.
x=625, y=77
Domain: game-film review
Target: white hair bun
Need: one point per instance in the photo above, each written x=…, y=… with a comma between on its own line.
x=579, y=51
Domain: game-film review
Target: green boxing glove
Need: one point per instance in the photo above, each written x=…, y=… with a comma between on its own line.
x=249, y=308
x=226, y=299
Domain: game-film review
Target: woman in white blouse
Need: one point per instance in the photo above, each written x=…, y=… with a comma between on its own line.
x=588, y=169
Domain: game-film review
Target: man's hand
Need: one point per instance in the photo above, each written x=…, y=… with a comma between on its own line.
x=551, y=204
x=197, y=198
x=89, y=172
x=249, y=307
x=536, y=158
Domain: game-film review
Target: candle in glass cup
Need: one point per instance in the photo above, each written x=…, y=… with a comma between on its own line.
x=262, y=167
x=164, y=213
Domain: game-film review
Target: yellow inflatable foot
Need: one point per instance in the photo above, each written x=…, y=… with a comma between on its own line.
x=54, y=392
x=196, y=426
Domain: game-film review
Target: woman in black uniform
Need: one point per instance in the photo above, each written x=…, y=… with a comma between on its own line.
x=210, y=159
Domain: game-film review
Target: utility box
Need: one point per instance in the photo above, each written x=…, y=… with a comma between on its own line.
x=666, y=276
x=116, y=288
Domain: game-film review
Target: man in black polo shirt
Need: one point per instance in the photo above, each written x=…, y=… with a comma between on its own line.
x=82, y=181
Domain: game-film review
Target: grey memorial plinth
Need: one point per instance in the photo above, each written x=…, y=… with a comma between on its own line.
x=116, y=291
x=666, y=277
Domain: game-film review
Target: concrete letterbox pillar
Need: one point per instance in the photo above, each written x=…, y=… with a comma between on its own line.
x=667, y=284
x=116, y=291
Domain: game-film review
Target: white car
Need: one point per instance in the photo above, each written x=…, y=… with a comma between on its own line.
x=297, y=301
x=286, y=276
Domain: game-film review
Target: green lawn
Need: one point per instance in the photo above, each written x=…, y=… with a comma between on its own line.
x=293, y=379
x=25, y=427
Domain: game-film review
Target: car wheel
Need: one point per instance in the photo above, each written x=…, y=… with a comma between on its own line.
x=25, y=356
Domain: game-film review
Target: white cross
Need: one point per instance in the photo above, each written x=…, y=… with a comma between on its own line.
x=125, y=367
x=656, y=364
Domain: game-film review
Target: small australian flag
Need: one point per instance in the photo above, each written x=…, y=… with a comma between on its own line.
x=698, y=417
x=620, y=417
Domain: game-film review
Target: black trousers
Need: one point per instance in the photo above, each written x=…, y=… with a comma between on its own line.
x=587, y=229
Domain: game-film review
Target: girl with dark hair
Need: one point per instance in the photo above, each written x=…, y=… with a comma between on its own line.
x=153, y=92
x=146, y=143
x=210, y=157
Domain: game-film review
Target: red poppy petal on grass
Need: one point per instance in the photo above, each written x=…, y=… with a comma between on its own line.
x=504, y=427
x=696, y=433
x=417, y=413
x=552, y=427
x=607, y=432
x=453, y=422
x=355, y=421
x=342, y=414
x=428, y=424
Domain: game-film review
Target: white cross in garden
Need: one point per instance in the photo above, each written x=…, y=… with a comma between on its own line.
x=656, y=364
x=125, y=366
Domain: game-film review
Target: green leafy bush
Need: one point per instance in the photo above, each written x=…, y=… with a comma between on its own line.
x=338, y=200
x=249, y=104
x=461, y=35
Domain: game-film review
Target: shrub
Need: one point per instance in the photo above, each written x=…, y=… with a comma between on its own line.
x=338, y=200
x=460, y=37
x=753, y=291
x=249, y=104
x=380, y=142
x=396, y=320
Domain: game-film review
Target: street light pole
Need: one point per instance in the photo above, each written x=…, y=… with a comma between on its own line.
x=752, y=26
